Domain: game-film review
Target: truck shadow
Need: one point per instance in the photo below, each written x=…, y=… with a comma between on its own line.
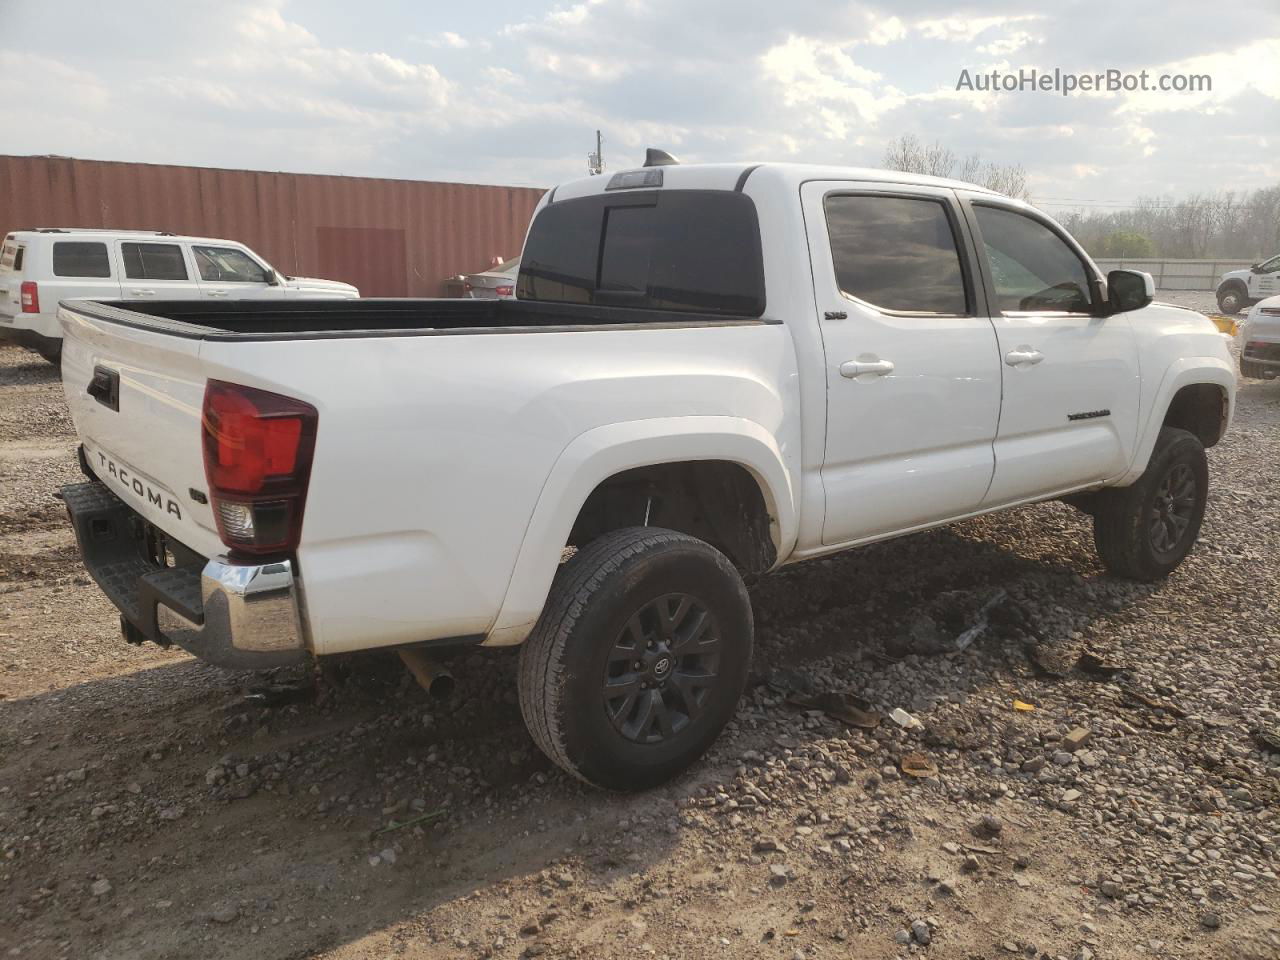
x=288, y=828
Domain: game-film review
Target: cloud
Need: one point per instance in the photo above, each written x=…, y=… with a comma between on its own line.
x=513, y=92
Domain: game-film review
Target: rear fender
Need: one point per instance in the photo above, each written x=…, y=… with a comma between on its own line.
x=599, y=454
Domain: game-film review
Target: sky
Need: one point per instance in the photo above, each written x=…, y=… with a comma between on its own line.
x=513, y=92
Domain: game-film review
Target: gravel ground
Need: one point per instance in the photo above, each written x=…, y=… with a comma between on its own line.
x=151, y=806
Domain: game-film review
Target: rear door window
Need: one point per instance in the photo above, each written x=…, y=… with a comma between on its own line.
x=9, y=257
x=80, y=258
x=692, y=251
x=898, y=254
x=153, y=261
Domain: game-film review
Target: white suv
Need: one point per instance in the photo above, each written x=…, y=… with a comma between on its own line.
x=39, y=268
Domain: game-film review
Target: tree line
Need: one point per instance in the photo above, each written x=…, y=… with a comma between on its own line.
x=1227, y=225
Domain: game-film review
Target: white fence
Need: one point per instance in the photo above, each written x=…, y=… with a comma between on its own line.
x=1178, y=274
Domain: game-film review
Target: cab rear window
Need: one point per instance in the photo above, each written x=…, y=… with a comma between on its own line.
x=78, y=258
x=691, y=251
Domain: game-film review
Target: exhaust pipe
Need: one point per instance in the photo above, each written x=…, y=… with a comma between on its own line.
x=433, y=678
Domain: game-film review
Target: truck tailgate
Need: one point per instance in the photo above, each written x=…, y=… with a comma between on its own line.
x=135, y=396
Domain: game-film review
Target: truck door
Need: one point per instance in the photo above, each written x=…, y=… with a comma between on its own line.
x=156, y=271
x=913, y=373
x=1071, y=379
x=1265, y=282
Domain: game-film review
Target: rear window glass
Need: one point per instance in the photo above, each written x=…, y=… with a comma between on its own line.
x=897, y=253
x=9, y=256
x=75, y=258
x=153, y=261
x=693, y=251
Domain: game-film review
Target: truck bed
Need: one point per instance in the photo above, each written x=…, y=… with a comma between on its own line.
x=330, y=319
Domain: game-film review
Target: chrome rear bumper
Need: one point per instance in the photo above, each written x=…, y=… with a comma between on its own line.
x=240, y=616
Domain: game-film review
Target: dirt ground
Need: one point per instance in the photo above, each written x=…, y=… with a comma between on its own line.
x=155, y=807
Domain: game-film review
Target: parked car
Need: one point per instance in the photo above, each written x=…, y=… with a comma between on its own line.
x=38, y=268
x=711, y=371
x=498, y=283
x=1260, y=357
x=1242, y=288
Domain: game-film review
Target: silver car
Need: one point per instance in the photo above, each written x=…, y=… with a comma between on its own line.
x=496, y=284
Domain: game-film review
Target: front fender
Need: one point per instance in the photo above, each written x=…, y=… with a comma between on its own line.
x=598, y=454
x=1183, y=372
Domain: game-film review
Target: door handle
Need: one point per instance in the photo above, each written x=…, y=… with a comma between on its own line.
x=1023, y=355
x=854, y=368
x=143, y=292
x=218, y=293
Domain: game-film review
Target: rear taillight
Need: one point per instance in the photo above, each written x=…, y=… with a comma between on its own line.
x=504, y=291
x=30, y=297
x=257, y=460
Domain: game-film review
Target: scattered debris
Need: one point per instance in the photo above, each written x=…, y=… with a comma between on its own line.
x=1076, y=739
x=846, y=707
x=987, y=827
x=280, y=694
x=905, y=720
x=918, y=765
x=951, y=622
x=425, y=818
x=1095, y=664
x=1022, y=706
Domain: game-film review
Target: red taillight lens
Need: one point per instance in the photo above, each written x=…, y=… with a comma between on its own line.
x=30, y=297
x=504, y=291
x=257, y=460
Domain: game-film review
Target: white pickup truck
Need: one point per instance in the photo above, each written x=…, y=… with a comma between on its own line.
x=710, y=371
x=1238, y=289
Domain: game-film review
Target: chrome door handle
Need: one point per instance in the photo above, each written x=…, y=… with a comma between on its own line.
x=219, y=293
x=142, y=292
x=1023, y=355
x=854, y=368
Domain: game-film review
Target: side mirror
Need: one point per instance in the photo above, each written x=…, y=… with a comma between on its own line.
x=1128, y=290
x=273, y=280
x=1255, y=268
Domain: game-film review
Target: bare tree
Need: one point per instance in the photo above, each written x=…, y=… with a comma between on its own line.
x=908, y=154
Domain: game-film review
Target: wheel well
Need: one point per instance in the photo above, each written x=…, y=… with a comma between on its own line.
x=1201, y=409
x=713, y=500
x=1232, y=284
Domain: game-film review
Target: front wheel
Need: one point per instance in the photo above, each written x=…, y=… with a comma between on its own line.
x=638, y=659
x=1144, y=531
x=1230, y=301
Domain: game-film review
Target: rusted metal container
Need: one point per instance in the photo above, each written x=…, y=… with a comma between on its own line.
x=391, y=238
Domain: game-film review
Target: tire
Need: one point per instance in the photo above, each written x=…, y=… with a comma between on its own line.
x=1231, y=300
x=1253, y=369
x=1144, y=531
x=605, y=603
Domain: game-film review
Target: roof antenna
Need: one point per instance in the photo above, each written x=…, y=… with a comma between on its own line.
x=653, y=157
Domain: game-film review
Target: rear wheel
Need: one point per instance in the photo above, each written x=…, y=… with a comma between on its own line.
x=1144, y=531
x=638, y=659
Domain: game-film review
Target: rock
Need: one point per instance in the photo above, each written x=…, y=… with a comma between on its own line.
x=1110, y=889
x=1211, y=921
x=215, y=775
x=242, y=770
x=970, y=864
x=1034, y=765
x=903, y=937
x=1071, y=796
x=768, y=845
x=171, y=813
x=76, y=775
x=920, y=930
x=226, y=913
x=1076, y=739
x=388, y=855
x=101, y=887
x=779, y=874
x=987, y=827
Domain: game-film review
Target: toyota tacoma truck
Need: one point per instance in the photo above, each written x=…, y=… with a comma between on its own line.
x=709, y=371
